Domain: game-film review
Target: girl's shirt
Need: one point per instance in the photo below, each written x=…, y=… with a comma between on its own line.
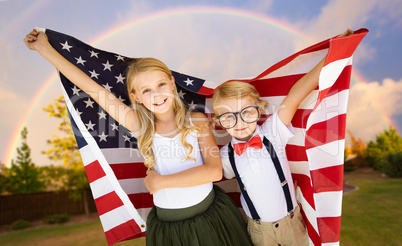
x=170, y=158
x=258, y=172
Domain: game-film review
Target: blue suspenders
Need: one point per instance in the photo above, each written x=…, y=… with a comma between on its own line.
x=284, y=182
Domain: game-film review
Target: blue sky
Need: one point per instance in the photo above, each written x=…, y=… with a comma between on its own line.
x=213, y=46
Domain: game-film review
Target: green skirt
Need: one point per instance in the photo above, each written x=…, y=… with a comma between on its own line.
x=215, y=221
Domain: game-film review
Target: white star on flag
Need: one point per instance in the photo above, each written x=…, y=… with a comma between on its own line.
x=107, y=86
x=93, y=53
x=66, y=46
x=119, y=57
x=107, y=66
x=89, y=103
x=78, y=112
x=76, y=91
x=181, y=94
x=90, y=125
x=80, y=60
x=102, y=115
x=120, y=79
x=188, y=81
x=94, y=74
x=121, y=99
x=115, y=127
x=192, y=104
x=103, y=137
x=126, y=138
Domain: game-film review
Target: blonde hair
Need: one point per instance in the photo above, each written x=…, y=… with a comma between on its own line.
x=236, y=90
x=146, y=118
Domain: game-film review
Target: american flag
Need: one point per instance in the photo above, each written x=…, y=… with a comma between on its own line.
x=115, y=167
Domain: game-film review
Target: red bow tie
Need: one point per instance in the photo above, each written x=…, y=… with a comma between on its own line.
x=254, y=142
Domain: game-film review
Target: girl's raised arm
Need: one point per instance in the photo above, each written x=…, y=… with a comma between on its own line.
x=119, y=111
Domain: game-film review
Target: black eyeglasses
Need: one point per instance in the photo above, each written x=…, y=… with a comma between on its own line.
x=248, y=114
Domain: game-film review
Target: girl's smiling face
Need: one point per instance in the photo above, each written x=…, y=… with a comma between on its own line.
x=242, y=130
x=154, y=89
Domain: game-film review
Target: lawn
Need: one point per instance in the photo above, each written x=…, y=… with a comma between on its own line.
x=371, y=216
x=84, y=234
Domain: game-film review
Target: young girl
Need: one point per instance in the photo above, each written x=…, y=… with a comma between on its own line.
x=256, y=157
x=177, y=145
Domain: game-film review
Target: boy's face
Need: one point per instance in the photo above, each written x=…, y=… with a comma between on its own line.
x=242, y=130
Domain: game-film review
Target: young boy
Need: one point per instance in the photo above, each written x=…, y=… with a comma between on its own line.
x=256, y=157
x=273, y=215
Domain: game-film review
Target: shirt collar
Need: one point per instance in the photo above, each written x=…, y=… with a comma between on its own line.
x=256, y=132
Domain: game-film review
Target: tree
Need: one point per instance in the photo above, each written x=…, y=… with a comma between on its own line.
x=71, y=175
x=386, y=143
x=3, y=179
x=23, y=176
x=355, y=153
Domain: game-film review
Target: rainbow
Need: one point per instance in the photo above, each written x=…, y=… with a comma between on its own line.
x=356, y=78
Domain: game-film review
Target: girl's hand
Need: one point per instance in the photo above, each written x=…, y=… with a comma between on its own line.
x=152, y=181
x=36, y=40
x=347, y=33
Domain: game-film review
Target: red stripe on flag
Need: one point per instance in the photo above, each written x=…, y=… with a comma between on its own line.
x=328, y=179
x=300, y=118
x=303, y=182
x=269, y=87
x=342, y=83
x=326, y=131
x=141, y=200
x=339, y=49
x=313, y=235
x=108, y=202
x=94, y=171
x=122, y=232
x=329, y=228
x=129, y=170
x=205, y=91
x=296, y=153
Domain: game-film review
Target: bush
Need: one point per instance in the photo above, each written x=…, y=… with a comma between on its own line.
x=56, y=218
x=392, y=165
x=20, y=224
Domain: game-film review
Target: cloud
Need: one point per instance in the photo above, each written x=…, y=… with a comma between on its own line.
x=370, y=104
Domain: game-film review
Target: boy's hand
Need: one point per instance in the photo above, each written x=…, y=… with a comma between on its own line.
x=347, y=33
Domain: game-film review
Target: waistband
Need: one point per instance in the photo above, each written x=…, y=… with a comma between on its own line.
x=167, y=214
x=285, y=220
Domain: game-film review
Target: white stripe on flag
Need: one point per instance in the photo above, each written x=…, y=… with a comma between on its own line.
x=330, y=73
x=330, y=244
x=299, y=167
x=101, y=187
x=132, y=186
x=327, y=155
x=298, y=138
x=330, y=107
x=211, y=84
x=325, y=203
x=114, y=218
x=300, y=65
x=86, y=155
x=122, y=155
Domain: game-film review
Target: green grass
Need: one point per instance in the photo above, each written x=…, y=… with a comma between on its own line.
x=85, y=234
x=372, y=215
